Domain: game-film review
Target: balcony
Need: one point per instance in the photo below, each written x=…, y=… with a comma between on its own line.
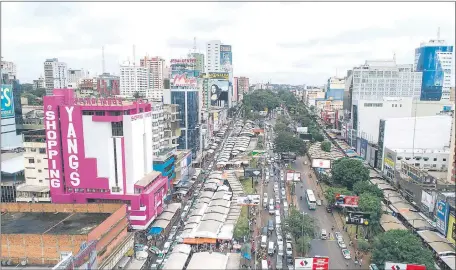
x=165, y=153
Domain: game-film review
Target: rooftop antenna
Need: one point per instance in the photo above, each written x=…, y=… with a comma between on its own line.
x=438, y=33
x=134, y=54
x=194, y=45
x=394, y=56
x=102, y=60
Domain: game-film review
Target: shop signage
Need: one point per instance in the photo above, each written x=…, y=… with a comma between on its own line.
x=183, y=61
x=98, y=101
x=73, y=155
x=52, y=147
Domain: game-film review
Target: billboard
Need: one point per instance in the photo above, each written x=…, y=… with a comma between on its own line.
x=226, y=58
x=183, y=61
x=442, y=217
x=293, y=176
x=315, y=263
x=302, y=130
x=451, y=236
x=345, y=200
x=218, y=75
x=321, y=163
x=389, y=158
x=357, y=218
x=427, y=200
x=7, y=101
x=403, y=266
x=184, y=80
x=252, y=172
x=218, y=92
x=250, y=200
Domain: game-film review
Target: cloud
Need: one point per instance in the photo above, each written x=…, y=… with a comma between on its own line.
x=292, y=43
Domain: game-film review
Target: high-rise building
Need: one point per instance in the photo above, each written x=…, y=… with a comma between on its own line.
x=377, y=79
x=189, y=113
x=156, y=67
x=435, y=60
x=133, y=79
x=235, y=97
x=452, y=160
x=9, y=68
x=75, y=76
x=243, y=86
x=199, y=61
x=108, y=85
x=101, y=150
x=55, y=75
x=213, y=56
x=40, y=83
x=335, y=89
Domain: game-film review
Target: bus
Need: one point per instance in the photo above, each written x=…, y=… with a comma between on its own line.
x=310, y=197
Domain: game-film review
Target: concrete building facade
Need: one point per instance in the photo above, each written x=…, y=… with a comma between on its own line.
x=156, y=71
x=55, y=75
x=113, y=141
x=134, y=79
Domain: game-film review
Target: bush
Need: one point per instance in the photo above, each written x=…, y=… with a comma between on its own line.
x=326, y=146
x=363, y=245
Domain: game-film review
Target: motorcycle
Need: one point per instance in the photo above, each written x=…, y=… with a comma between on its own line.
x=301, y=198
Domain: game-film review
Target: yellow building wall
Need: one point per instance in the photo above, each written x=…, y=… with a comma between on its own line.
x=451, y=222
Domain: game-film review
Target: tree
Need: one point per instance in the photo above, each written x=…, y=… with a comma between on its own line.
x=401, y=246
x=366, y=187
x=299, y=225
x=363, y=245
x=280, y=127
x=287, y=142
x=330, y=193
x=371, y=204
x=326, y=146
x=303, y=245
x=318, y=137
x=241, y=229
x=348, y=171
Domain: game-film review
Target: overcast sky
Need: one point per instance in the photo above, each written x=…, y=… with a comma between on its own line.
x=296, y=43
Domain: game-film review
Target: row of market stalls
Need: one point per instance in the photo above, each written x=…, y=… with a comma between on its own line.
x=164, y=221
x=214, y=215
x=214, y=260
x=400, y=210
x=178, y=257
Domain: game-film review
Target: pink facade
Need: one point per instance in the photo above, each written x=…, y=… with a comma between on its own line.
x=74, y=177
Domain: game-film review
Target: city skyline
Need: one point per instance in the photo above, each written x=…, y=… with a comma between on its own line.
x=262, y=50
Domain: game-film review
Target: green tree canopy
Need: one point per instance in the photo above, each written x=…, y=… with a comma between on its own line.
x=280, y=127
x=241, y=228
x=325, y=146
x=303, y=244
x=330, y=193
x=401, y=246
x=348, y=171
x=287, y=142
x=299, y=225
x=361, y=187
x=372, y=204
x=260, y=100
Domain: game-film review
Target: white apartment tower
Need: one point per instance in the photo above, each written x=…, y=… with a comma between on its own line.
x=75, y=76
x=55, y=75
x=133, y=79
x=377, y=79
x=213, y=56
x=10, y=68
x=156, y=67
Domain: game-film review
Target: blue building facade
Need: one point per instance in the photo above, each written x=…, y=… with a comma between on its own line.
x=188, y=101
x=167, y=168
x=334, y=94
x=428, y=59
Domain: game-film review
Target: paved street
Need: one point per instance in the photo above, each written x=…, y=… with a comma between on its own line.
x=323, y=219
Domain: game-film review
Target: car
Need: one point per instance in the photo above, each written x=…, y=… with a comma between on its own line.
x=288, y=237
x=279, y=262
x=280, y=249
x=319, y=202
x=338, y=236
x=341, y=244
x=277, y=200
x=279, y=238
x=346, y=254
x=290, y=262
x=289, y=249
x=283, y=192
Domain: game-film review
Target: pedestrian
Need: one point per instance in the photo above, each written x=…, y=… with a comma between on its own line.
x=360, y=262
x=346, y=263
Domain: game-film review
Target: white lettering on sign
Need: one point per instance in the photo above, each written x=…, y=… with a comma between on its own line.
x=72, y=145
x=52, y=149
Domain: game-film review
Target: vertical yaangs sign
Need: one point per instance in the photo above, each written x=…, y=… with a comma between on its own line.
x=71, y=133
x=53, y=145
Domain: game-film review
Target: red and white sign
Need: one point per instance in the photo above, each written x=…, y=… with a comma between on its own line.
x=345, y=200
x=403, y=266
x=321, y=163
x=315, y=263
x=183, y=80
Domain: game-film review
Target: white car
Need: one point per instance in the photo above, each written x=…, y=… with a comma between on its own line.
x=279, y=238
x=319, y=202
x=283, y=192
x=346, y=254
x=338, y=236
x=341, y=244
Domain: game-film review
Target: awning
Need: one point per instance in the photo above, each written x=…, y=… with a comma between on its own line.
x=155, y=230
x=13, y=165
x=33, y=188
x=196, y=241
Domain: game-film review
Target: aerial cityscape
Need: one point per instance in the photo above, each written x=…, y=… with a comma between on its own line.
x=214, y=135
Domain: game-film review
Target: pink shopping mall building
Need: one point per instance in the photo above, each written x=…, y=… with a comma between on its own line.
x=100, y=150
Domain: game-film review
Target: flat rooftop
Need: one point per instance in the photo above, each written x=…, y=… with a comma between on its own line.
x=51, y=223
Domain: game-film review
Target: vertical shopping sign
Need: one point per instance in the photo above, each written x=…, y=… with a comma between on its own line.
x=442, y=217
x=7, y=101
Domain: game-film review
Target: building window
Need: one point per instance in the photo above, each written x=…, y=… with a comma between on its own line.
x=117, y=128
x=31, y=160
x=33, y=149
x=42, y=150
x=39, y=170
x=444, y=159
x=435, y=159
x=41, y=181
